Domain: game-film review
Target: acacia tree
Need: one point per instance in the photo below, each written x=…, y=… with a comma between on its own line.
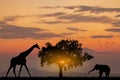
x=66, y=54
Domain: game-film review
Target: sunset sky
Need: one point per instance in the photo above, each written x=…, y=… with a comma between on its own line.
x=95, y=23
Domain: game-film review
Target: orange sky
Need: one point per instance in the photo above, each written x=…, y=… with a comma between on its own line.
x=95, y=23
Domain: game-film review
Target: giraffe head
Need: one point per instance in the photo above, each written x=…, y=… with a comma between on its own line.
x=37, y=46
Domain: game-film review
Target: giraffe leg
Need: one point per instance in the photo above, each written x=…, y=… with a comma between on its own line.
x=20, y=70
x=27, y=69
x=14, y=70
x=8, y=70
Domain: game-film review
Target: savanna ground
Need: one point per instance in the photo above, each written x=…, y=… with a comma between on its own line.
x=57, y=78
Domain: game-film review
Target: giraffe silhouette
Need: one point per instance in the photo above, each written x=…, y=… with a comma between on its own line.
x=21, y=60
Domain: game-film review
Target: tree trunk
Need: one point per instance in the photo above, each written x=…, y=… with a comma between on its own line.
x=60, y=71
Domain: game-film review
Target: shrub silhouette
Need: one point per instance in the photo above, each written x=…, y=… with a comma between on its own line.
x=66, y=54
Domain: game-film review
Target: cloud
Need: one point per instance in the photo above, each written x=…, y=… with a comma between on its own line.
x=118, y=36
x=2, y=23
x=116, y=23
x=74, y=18
x=18, y=32
x=62, y=17
x=96, y=9
x=50, y=22
x=12, y=18
x=71, y=18
x=118, y=15
x=15, y=17
x=113, y=30
x=80, y=18
x=49, y=7
x=70, y=7
x=82, y=8
x=102, y=36
x=55, y=14
x=56, y=7
x=11, y=31
x=75, y=29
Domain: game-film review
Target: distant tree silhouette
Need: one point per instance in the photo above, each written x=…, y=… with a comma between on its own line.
x=66, y=54
x=102, y=69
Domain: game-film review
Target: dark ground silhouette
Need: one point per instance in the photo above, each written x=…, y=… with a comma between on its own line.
x=57, y=78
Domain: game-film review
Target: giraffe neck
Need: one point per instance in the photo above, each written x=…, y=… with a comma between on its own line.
x=27, y=52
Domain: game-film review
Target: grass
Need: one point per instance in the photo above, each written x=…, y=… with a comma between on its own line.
x=57, y=78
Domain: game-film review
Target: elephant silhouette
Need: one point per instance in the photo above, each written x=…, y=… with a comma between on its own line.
x=102, y=69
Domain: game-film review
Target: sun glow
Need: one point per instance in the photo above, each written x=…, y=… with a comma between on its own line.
x=62, y=62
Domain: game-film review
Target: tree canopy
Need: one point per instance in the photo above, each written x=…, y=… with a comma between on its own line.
x=66, y=53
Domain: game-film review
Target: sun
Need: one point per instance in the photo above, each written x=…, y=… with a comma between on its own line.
x=62, y=62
